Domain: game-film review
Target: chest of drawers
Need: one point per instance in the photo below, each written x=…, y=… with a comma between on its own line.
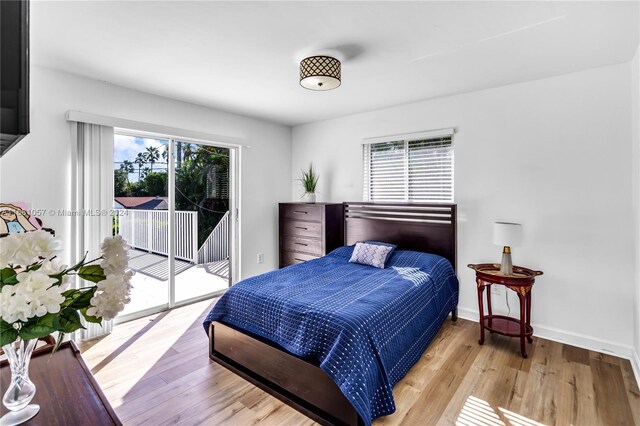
x=309, y=231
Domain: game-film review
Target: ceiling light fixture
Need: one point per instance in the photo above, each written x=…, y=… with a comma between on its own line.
x=320, y=73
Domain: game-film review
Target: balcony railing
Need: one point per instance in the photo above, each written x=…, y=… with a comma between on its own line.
x=148, y=230
x=216, y=246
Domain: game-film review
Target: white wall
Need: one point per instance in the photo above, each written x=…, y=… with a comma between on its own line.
x=37, y=169
x=635, y=120
x=552, y=154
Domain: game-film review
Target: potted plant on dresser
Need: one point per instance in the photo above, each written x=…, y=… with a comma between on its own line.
x=309, y=180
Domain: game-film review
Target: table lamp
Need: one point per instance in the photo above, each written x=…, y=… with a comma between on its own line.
x=508, y=235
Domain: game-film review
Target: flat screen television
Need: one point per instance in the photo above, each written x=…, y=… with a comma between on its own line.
x=14, y=72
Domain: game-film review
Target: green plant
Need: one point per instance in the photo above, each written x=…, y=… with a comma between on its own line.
x=120, y=186
x=192, y=194
x=194, y=164
x=155, y=184
x=309, y=180
x=127, y=167
x=35, y=298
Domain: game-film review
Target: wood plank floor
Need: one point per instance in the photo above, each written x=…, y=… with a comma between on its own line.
x=156, y=371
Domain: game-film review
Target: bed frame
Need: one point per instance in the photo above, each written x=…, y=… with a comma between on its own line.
x=301, y=383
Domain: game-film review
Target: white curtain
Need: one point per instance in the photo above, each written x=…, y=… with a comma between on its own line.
x=93, y=199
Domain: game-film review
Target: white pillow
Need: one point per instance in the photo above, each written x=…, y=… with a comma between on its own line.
x=370, y=254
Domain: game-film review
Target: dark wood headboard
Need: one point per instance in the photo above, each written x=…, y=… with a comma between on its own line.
x=430, y=228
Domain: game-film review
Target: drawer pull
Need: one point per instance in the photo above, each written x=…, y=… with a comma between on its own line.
x=300, y=227
x=299, y=260
x=300, y=211
x=301, y=244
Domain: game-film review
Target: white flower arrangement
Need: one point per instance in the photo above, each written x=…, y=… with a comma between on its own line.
x=34, y=297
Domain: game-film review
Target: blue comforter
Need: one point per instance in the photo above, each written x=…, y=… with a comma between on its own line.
x=364, y=326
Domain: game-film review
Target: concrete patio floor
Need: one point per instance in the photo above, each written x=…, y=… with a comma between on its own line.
x=151, y=280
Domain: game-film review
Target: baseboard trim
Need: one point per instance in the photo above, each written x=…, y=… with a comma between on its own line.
x=635, y=364
x=573, y=339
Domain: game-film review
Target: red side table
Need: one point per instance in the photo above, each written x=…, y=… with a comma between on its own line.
x=521, y=281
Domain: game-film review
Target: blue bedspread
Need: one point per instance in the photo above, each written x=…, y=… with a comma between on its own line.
x=364, y=326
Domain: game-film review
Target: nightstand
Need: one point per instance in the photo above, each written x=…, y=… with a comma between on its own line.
x=521, y=281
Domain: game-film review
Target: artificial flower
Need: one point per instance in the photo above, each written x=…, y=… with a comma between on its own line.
x=43, y=244
x=37, y=285
x=111, y=296
x=27, y=248
x=8, y=247
x=115, y=255
x=55, y=267
x=34, y=295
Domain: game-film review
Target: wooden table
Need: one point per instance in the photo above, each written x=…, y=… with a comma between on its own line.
x=66, y=391
x=521, y=281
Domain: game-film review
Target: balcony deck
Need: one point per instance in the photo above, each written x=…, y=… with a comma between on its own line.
x=151, y=279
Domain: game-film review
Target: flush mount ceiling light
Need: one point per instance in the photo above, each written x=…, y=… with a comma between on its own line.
x=320, y=73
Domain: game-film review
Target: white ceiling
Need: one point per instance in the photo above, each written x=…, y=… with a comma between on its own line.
x=241, y=56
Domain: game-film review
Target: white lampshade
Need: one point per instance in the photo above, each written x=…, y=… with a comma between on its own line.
x=507, y=234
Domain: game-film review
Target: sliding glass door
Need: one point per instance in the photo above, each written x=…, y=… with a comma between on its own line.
x=202, y=219
x=168, y=184
x=142, y=217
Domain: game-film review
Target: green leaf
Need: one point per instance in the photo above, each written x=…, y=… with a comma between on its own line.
x=79, y=264
x=58, y=341
x=58, y=277
x=93, y=273
x=70, y=296
x=89, y=318
x=43, y=326
x=80, y=299
x=69, y=320
x=69, y=292
x=7, y=277
x=8, y=334
x=34, y=267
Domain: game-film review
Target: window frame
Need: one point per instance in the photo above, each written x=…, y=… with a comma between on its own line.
x=406, y=140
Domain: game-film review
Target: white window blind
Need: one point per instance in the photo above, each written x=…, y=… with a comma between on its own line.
x=418, y=170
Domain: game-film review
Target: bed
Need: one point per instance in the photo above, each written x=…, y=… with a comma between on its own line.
x=332, y=338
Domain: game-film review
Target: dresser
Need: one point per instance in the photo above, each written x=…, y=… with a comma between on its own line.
x=309, y=231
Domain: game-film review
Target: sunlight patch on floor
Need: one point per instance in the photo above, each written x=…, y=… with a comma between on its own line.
x=477, y=412
x=518, y=420
x=147, y=334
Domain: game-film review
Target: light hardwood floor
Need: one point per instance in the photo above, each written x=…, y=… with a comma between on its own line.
x=156, y=371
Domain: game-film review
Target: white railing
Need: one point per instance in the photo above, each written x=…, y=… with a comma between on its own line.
x=148, y=230
x=216, y=246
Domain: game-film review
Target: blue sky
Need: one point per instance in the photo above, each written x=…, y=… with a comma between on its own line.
x=128, y=147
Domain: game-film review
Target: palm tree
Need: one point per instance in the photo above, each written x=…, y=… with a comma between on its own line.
x=165, y=156
x=179, y=153
x=152, y=155
x=188, y=152
x=145, y=172
x=127, y=167
x=140, y=160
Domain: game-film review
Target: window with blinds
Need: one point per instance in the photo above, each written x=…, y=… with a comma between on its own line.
x=418, y=170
